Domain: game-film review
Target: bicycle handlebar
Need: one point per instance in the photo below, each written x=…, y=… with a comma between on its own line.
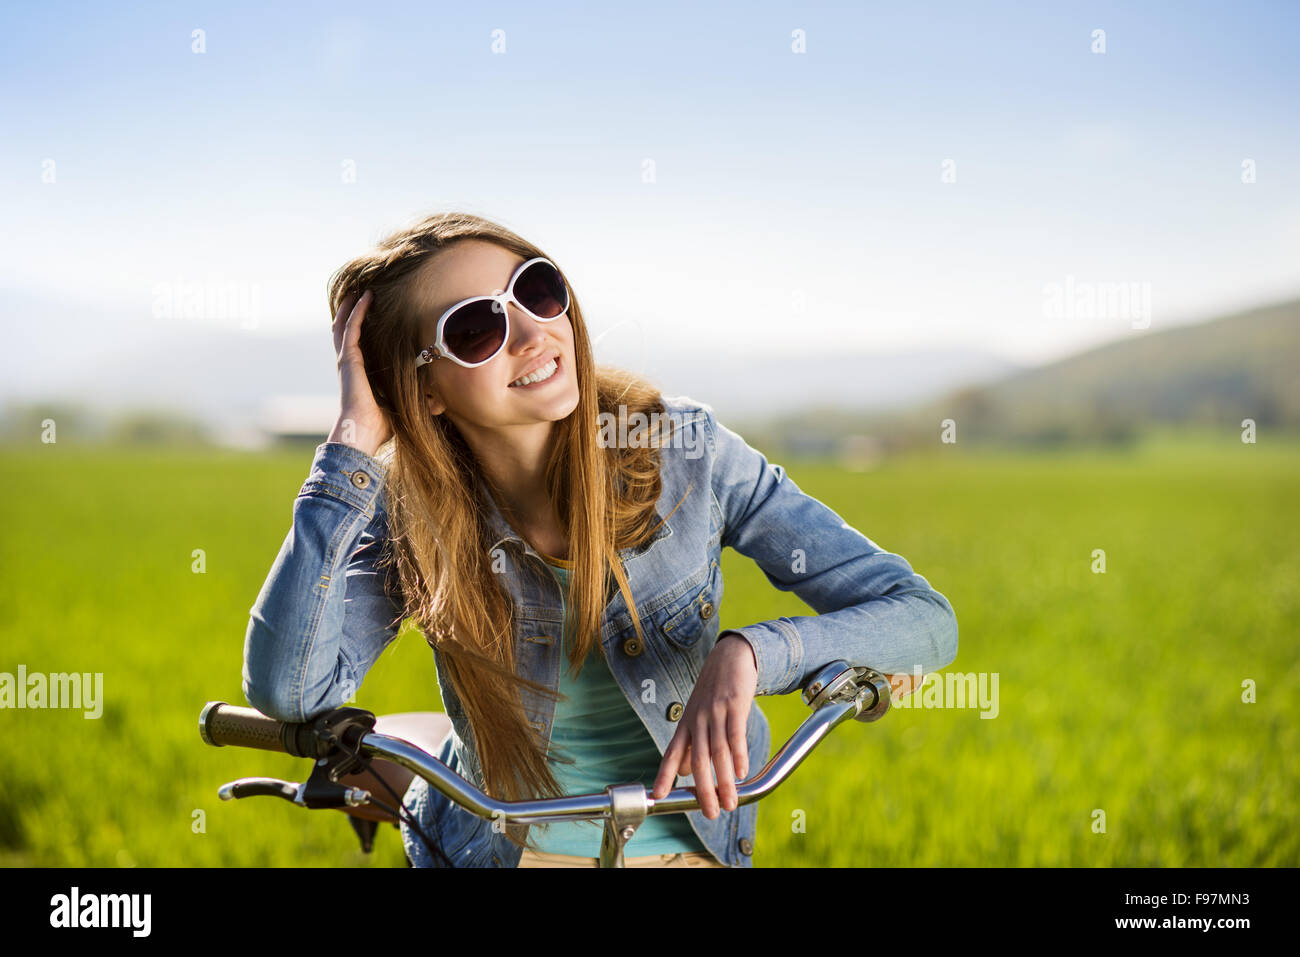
x=222, y=724
x=836, y=693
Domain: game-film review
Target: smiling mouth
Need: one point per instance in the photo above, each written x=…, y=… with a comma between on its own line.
x=544, y=374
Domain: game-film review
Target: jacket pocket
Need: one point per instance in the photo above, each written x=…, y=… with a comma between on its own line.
x=695, y=612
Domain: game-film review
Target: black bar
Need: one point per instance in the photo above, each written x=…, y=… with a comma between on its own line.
x=900, y=907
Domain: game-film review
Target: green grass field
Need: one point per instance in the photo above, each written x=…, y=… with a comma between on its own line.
x=1119, y=692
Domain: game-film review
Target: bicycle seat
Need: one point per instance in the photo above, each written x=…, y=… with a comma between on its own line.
x=424, y=729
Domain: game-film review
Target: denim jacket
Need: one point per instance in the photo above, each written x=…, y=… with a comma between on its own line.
x=324, y=615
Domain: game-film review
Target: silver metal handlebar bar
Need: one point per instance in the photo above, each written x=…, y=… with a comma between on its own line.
x=836, y=693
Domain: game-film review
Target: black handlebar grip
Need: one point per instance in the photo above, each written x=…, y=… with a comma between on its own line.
x=221, y=724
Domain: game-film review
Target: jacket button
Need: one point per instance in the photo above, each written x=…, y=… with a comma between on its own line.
x=746, y=847
x=706, y=610
x=675, y=710
x=360, y=479
x=632, y=647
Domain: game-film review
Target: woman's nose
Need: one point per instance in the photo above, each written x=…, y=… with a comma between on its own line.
x=524, y=329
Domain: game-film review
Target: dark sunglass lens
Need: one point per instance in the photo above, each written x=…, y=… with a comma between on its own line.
x=475, y=332
x=540, y=289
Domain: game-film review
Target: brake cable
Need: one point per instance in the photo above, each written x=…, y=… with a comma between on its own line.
x=401, y=813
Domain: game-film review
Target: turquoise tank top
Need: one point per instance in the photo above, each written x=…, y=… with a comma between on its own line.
x=597, y=727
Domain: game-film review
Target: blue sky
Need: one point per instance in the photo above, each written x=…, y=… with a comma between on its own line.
x=797, y=201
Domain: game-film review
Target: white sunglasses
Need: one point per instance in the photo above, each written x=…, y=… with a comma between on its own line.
x=474, y=330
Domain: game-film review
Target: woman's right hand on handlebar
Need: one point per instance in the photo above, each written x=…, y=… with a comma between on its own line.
x=361, y=423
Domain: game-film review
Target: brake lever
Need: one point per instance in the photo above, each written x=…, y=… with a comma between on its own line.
x=252, y=787
x=322, y=794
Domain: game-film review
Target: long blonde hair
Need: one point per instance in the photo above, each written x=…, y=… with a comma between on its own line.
x=438, y=532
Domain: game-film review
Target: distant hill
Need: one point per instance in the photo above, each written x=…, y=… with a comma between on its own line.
x=1213, y=373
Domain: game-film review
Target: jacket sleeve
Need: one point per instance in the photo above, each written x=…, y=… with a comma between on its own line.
x=327, y=610
x=873, y=609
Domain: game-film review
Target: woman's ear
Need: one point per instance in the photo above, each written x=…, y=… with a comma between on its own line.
x=433, y=402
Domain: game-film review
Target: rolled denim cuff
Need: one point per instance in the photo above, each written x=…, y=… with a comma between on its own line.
x=778, y=650
x=347, y=474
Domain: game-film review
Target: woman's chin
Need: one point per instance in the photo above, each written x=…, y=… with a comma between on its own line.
x=562, y=406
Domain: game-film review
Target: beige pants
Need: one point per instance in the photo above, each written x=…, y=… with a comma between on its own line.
x=533, y=858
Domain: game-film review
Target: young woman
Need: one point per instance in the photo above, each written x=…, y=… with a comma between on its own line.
x=531, y=510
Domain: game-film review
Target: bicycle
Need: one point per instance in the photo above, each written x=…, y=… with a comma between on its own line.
x=343, y=741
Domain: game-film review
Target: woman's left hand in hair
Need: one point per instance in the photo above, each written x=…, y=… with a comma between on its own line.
x=711, y=734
